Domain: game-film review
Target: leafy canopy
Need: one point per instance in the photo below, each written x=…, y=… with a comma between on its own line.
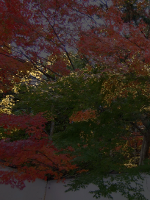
x=95, y=104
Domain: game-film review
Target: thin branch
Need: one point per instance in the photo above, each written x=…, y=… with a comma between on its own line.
x=35, y=65
x=64, y=48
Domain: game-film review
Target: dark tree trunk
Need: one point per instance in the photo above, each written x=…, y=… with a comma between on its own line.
x=52, y=129
x=145, y=147
x=146, y=137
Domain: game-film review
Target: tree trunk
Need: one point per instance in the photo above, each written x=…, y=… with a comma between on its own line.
x=52, y=124
x=145, y=147
x=52, y=129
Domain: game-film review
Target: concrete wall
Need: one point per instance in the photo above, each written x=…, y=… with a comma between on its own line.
x=51, y=190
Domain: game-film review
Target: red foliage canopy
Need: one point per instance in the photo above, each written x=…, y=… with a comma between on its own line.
x=34, y=157
x=32, y=30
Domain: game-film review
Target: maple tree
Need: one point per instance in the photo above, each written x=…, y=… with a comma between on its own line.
x=103, y=102
x=44, y=158
x=84, y=129
x=32, y=29
x=115, y=123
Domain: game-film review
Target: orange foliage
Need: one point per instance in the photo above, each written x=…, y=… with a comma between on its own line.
x=83, y=116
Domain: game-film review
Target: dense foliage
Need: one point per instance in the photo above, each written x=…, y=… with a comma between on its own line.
x=88, y=115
